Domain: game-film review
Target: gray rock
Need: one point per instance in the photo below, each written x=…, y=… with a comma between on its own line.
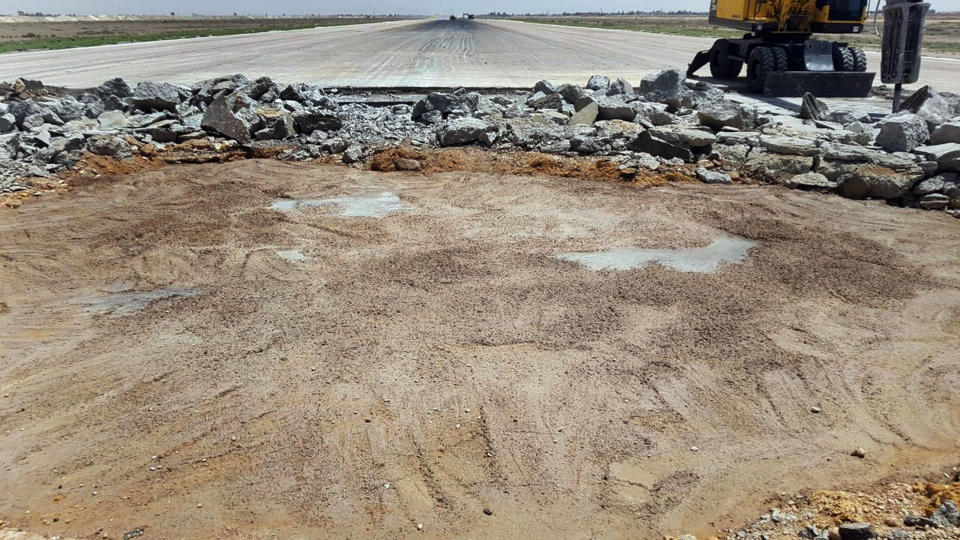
x=666, y=87
x=849, y=153
x=446, y=103
x=947, y=155
x=947, y=514
x=793, y=146
x=308, y=121
x=652, y=114
x=32, y=122
x=540, y=100
x=778, y=168
x=738, y=137
x=932, y=185
x=810, y=531
x=948, y=132
x=598, y=82
x=115, y=87
x=149, y=96
x=934, y=201
x=856, y=531
x=693, y=138
x=586, y=115
x=108, y=145
x=353, y=154
x=620, y=87
x=8, y=122
x=723, y=113
x=112, y=120
x=861, y=133
x=812, y=108
x=614, y=108
x=571, y=92
x=221, y=117
x=930, y=106
x=258, y=88
x=113, y=103
x=811, y=180
x=645, y=142
x=712, y=177
x=68, y=109
x=22, y=109
x=545, y=87
x=304, y=94
x=467, y=130
x=334, y=145
x=284, y=128
x=92, y=105
x=902, y=132
x=209, y=89
x=877, y=182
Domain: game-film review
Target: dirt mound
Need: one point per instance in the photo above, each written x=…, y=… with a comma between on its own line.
x=471, y=159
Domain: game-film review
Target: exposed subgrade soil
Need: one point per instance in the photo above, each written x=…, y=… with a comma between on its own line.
x=185, y=355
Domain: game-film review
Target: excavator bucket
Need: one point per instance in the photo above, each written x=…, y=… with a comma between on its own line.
x=818, y=83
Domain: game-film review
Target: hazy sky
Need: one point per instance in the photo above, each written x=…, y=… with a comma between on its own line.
x=212, y=7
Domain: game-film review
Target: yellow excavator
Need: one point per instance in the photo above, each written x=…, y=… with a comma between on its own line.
x=781, y=57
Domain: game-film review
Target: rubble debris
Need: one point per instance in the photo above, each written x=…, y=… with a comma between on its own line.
x=667, y=123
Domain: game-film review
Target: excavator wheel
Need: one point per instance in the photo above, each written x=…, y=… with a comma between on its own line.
x=859, y=59
x=842, y=59
x=761, y=63
x=780, y=55
x=721, y=66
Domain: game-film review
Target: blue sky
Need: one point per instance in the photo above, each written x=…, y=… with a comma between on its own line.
x=356, y=6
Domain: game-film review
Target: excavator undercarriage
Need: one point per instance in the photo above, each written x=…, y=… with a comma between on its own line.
x=779, y=54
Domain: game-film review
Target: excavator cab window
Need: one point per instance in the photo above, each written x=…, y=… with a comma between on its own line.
x=847, y=10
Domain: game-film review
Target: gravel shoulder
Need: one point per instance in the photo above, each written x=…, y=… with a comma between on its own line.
x=305, y=373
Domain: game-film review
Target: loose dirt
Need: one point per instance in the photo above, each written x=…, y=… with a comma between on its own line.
x=424, y=366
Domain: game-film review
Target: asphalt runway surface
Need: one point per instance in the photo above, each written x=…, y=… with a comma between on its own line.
x=432, y=53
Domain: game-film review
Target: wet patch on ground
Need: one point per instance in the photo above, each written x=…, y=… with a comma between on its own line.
x=375, y=205
x=726, y=249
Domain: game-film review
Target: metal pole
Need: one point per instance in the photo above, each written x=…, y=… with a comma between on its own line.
x=897, y=89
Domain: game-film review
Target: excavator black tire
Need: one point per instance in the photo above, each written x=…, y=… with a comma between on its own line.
x=780, y=55
x=721, y=66
x=859, y=59
x=761, y=63
x=842, y=59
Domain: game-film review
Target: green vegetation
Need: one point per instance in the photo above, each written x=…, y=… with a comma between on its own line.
x=90, y=41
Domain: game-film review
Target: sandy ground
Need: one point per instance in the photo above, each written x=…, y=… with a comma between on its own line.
x=431, y=53
x=357, y=376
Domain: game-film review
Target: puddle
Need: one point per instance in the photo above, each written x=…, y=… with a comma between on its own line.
x=293, y=255
x=377, y=205
x=731, y=249
x=125, y=303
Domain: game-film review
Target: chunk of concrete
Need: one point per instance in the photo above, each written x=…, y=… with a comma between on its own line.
x=586, y=115
x=598, y=82
x=902, y=132
x=221, y=117
x=666, y=87
x=467, y=130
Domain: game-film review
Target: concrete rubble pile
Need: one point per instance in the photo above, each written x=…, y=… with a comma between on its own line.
x=665, y=123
